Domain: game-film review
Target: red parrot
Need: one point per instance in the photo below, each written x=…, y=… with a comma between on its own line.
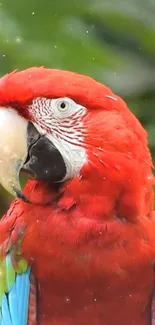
x=77, y=246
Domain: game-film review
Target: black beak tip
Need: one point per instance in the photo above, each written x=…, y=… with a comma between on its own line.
x=21, y=196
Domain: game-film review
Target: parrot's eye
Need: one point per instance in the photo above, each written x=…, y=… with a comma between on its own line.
x=63, y=105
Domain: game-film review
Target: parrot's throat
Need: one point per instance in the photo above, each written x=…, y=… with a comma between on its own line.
x=94, y=199
x=104, y=189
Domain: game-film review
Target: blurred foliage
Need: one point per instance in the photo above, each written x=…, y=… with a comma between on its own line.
x=110, y=40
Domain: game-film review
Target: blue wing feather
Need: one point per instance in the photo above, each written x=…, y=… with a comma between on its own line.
x=12, y=300
x=5, y=311
x=25, y=288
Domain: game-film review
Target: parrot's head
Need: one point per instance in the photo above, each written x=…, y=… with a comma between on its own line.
x=60, y=126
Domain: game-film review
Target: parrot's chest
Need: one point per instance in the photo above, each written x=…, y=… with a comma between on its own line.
x=94, y=285
x=112, y=299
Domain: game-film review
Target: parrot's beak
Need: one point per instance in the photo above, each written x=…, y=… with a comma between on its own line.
x=23, y=147
x=13, y=149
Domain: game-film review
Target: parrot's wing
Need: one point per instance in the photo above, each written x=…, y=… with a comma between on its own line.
x=14, y=292
x=17, y=283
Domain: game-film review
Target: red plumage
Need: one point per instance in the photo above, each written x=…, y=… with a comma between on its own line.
x=91, y=244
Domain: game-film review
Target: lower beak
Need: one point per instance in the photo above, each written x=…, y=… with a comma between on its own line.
x=23, y=148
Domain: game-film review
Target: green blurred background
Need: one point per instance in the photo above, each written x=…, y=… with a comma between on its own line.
x=110, y=40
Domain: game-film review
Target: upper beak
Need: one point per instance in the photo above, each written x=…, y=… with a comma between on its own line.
x=13, y=149
x=23, y=147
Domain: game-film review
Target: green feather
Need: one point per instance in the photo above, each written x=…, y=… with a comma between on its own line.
x=21, y=266
x=8, y=272
x=3, y=282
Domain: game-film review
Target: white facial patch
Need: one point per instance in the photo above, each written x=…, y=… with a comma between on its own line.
x=61, y=120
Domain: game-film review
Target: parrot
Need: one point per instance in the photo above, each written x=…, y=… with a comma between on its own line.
x=77, y=244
